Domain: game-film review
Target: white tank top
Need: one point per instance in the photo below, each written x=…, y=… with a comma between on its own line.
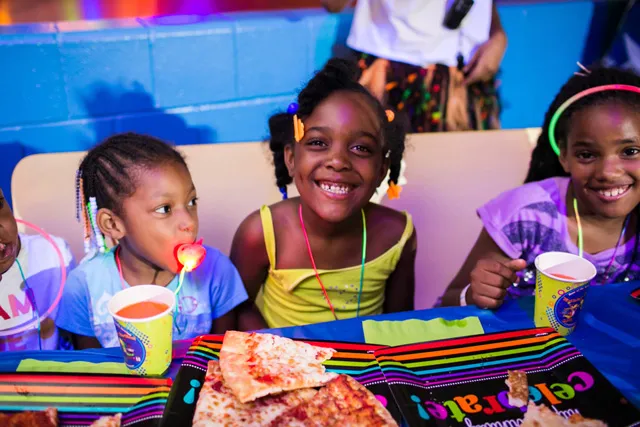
x=411, y=31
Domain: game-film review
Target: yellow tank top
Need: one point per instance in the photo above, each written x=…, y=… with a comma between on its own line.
x=293, y=297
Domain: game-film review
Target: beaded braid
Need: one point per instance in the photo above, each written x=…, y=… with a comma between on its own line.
x=82, y=212
x=92, y=208
x=78, y=191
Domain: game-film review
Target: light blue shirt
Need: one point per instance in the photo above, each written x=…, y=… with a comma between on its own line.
x=210, y=291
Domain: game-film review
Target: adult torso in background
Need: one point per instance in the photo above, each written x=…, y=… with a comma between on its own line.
x=411, y=31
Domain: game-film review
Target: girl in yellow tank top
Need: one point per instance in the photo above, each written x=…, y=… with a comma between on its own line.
x=330, y=253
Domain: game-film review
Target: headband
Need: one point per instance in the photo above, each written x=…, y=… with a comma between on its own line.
x=576, y=97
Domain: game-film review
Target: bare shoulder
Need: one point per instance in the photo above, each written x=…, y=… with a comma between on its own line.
x=283, y=213
x=388, y=224
x=250, y=230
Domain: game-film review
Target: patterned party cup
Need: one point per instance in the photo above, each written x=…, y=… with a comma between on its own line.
x=562, y=281
x=143, y=316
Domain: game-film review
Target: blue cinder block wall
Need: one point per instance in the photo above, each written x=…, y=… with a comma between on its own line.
x=194, y=80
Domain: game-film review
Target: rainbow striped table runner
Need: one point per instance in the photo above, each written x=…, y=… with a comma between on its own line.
x=461, y=381
x=81, y=399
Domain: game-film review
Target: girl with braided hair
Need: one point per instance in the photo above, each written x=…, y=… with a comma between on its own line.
x=338, y=255
x=137, y=191
x=581, y=195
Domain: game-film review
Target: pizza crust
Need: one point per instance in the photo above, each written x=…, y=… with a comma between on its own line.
x=579, y=420
x=110, y=421
x=542, y=416
x=518, y=388
x=46, y=418
x=256, y=365
x=342, y=402
x=217, y=406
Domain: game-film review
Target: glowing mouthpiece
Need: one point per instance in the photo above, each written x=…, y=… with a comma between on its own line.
x=190, y=255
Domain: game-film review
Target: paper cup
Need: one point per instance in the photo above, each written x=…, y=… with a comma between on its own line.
x=146, y=343
x=562, y=280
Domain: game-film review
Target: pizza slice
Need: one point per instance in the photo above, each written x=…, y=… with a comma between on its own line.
x=342, y=402
x=217, y=405
x=542, y=416
x=579, y=420
x=46, y=418
x=255, y=365
x=109, y=421
x=518, y=388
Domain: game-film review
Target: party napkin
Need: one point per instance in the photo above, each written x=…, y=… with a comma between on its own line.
x=394, y=333
x=32, y=365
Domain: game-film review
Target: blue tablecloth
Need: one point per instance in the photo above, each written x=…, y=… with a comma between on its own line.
x=608, y=334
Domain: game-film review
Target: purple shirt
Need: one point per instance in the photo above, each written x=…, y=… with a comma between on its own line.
x=532, y=219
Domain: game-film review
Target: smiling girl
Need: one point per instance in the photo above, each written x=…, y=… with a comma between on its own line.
x=338, y=255
x=586, y=165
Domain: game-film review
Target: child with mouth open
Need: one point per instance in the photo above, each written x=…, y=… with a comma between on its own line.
x=584, y=179
x=338, y=255
x=137, y=191
x=31, y=272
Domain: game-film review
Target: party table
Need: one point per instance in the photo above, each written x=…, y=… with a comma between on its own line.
x=608, y=334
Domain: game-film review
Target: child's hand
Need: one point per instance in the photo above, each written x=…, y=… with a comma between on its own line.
x=490, y=280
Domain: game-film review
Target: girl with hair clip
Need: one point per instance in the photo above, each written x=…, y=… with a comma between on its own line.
x=137, y=191
x=581, y=195
x=330, y=253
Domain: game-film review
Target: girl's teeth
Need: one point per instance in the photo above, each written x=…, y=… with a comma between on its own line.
x=335, y=188
x=613, y=192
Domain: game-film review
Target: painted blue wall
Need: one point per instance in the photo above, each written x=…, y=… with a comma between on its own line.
x=194, y=80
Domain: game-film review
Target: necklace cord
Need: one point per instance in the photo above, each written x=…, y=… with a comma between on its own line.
x=32, y=298
x=315, y=269
x=177, y=309
x=615, y=251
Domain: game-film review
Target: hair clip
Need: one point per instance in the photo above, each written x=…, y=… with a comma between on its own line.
x=583, y=68
x=393, y=192
x=292, y=108
x=283, y=191
x=585, y=71
x=390, y=115
x=298, y=128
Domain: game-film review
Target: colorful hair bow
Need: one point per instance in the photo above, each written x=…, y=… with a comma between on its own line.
x=394, y=190
x=298, y=128
x=390, y=115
